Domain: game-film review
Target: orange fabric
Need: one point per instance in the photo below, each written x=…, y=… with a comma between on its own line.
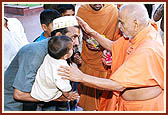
x=104, y=22
x=117, y=34
x=107, y=104
x=89, y=96
x=138, y=63
x=108, y=101
x=155, y=104
x=149, y=70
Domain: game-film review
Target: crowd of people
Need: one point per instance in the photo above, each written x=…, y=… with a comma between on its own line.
x=89, y=57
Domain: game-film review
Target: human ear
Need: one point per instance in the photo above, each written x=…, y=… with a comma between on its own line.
x=58, y=34
x=44, y=27
x=136, y=25
x=66, y=56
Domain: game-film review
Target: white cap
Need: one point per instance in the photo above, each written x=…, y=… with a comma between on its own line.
x=64, y=21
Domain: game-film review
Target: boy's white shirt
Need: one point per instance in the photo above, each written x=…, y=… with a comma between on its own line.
x=47, y=81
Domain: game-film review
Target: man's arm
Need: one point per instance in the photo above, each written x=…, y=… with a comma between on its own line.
x=106, y=43
x=101, y=83
x=25, y=96
x=74, y=74
x=158, y=13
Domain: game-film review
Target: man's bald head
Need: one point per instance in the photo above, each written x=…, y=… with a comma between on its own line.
x=135, y=12
x=134, y=15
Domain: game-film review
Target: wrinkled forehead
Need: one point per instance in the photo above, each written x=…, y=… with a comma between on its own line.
x=122, y=15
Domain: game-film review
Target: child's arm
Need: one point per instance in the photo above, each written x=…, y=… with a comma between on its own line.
x=71, y=96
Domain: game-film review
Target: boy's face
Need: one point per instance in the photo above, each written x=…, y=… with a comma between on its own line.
x=68, y=13
x=49, y=28
x=70, y=51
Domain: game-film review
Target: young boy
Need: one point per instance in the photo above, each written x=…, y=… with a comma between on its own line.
x=48, y=85
x=46, y=19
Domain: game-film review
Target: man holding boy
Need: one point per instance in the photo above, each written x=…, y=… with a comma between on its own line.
x=20, y=76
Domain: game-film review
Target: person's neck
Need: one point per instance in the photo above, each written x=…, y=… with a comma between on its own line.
x=46, y=35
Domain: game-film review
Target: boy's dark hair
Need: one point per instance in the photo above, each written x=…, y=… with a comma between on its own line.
x=58, y=46
x=48, y=15
x=63, y=31
x=60, y=7
x=63, y=7
x=49, y=6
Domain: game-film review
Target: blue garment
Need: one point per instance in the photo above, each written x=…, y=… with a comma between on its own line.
x=41, y=37
x=73, y=104
x=22, y=71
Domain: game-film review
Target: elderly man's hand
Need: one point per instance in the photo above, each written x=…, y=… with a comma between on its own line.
x=70, y=73
x=85, y=27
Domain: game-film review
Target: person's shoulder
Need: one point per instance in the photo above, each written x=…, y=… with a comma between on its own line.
x=83, y=6
x=14, y=21
x=35, y=46
x=83, y=9
x=39, y=38
x=151, y=46
x=110, y=6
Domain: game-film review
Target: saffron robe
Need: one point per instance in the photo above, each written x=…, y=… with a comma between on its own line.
x=103, y=21
x=137, y=63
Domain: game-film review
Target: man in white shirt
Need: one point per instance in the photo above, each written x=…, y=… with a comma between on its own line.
x=14, y=38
